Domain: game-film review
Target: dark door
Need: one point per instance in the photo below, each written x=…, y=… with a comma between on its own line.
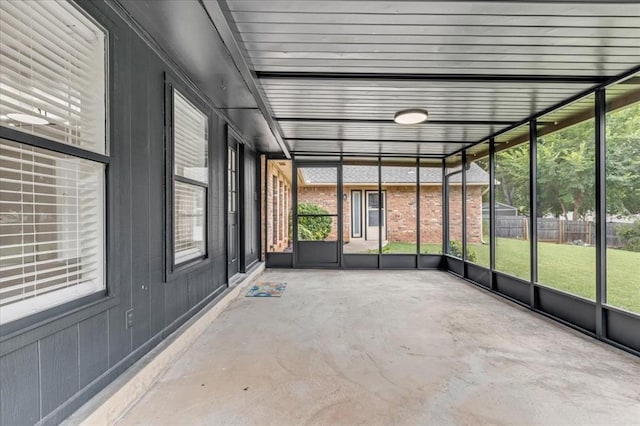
x=318, y=219
x=233, y=224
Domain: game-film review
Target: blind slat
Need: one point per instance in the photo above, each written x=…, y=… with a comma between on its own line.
x=52, y=58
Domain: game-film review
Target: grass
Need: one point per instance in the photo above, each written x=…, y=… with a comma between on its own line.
x=565, y=267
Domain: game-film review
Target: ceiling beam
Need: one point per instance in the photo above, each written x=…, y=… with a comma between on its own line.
x=390, y=121
x=476, y=78
x=368, y=154
x=223, y=23
x=373, y=140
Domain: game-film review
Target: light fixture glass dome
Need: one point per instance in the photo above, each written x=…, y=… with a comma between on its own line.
x=27, y=118
x=410, y=116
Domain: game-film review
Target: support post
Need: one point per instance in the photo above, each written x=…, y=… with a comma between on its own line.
x=601, y=212
x=464, y=213
x=533, y=209
x=445, y=210
x=492, y=213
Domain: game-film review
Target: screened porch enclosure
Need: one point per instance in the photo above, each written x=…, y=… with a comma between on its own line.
x=153, y=154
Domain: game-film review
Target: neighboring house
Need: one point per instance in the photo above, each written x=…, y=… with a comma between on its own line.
x=399, y=208
x=501, y=210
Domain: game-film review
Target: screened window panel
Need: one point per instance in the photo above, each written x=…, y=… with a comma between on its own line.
x=51, y=228
x=189, y=222
x=190, y=140
x=52, y=58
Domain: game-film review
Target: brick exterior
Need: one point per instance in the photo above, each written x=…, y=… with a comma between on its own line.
x=402, y=209
x=325, y=197
x=278, y=207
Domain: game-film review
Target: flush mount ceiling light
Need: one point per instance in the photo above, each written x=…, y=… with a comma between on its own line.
x=410, y=116
x=27, y=118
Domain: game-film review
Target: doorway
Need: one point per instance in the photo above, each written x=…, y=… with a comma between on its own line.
x=318, y=215
x=375, y=215
x=233, y=223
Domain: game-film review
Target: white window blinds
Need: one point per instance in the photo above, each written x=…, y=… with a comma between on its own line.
x=52, y=203
x=190, y=140
x=51, y=228
x=52, y=70
x=190, y=136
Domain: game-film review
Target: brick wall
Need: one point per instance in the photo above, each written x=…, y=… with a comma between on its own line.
x=474, y=214
x=275, y=215
x=402, y=210
x=325, y=197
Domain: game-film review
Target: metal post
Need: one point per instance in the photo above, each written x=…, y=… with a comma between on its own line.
x=533, y=209
x=418, y=213
x=492, y=212
x=380, y=198
x=340, y=207
x=464, y=213
x=601, y=211
x=445, y=210
x=294, y=209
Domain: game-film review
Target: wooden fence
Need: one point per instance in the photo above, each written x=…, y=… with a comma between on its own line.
x=555, y=230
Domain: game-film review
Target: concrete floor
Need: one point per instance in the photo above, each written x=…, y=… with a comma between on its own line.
x=407, y=347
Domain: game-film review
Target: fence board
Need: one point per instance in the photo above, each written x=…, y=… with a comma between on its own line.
x=555, y=230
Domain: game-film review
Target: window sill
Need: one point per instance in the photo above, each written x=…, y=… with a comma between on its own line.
x=186, y=268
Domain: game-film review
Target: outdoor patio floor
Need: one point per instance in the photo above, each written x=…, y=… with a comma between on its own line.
x=390, y=347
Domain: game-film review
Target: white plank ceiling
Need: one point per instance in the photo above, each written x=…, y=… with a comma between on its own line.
x=333, y=73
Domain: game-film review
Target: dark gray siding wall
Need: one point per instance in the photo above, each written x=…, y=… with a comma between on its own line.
x=251, y=228
x=49, y=368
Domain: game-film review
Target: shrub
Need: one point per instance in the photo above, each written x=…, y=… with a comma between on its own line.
x=313, y=228
x=455, y=249
x=630, y=236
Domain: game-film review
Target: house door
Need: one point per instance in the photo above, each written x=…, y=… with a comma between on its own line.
x=318, y=215
x=233, y=224
x=375, y=223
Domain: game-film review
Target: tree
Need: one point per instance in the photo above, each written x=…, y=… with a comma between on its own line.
x=566, y=169
x=623, y=161
x=512, y=174
x=313, y=228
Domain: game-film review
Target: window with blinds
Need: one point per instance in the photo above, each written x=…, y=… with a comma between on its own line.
x=52, y=202
x=53, y=74
x=190, y=158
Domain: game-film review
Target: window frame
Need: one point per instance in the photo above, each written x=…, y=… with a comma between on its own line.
x=105, y=297
x=173, y=269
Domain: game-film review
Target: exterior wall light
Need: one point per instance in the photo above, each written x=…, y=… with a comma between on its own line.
x=410, y=116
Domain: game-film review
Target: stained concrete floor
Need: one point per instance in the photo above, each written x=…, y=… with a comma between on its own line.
x=392, y=348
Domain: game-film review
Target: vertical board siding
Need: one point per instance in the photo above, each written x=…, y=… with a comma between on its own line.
x=40, y=377
x=156, y=157
x=140, y=123
x=120, y=264
x=59, y=368
x=20, y=395
x=250, y=207
x=92, y=340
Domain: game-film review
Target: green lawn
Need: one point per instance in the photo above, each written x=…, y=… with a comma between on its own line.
x=565, y=267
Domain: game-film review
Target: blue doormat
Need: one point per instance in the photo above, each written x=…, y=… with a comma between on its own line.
x=266, y=290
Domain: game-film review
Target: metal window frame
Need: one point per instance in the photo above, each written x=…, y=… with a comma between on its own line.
x=535, y=291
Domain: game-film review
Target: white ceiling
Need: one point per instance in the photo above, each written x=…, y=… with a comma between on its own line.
x=332, y=73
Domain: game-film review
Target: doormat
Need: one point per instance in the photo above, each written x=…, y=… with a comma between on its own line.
x=266, y=290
